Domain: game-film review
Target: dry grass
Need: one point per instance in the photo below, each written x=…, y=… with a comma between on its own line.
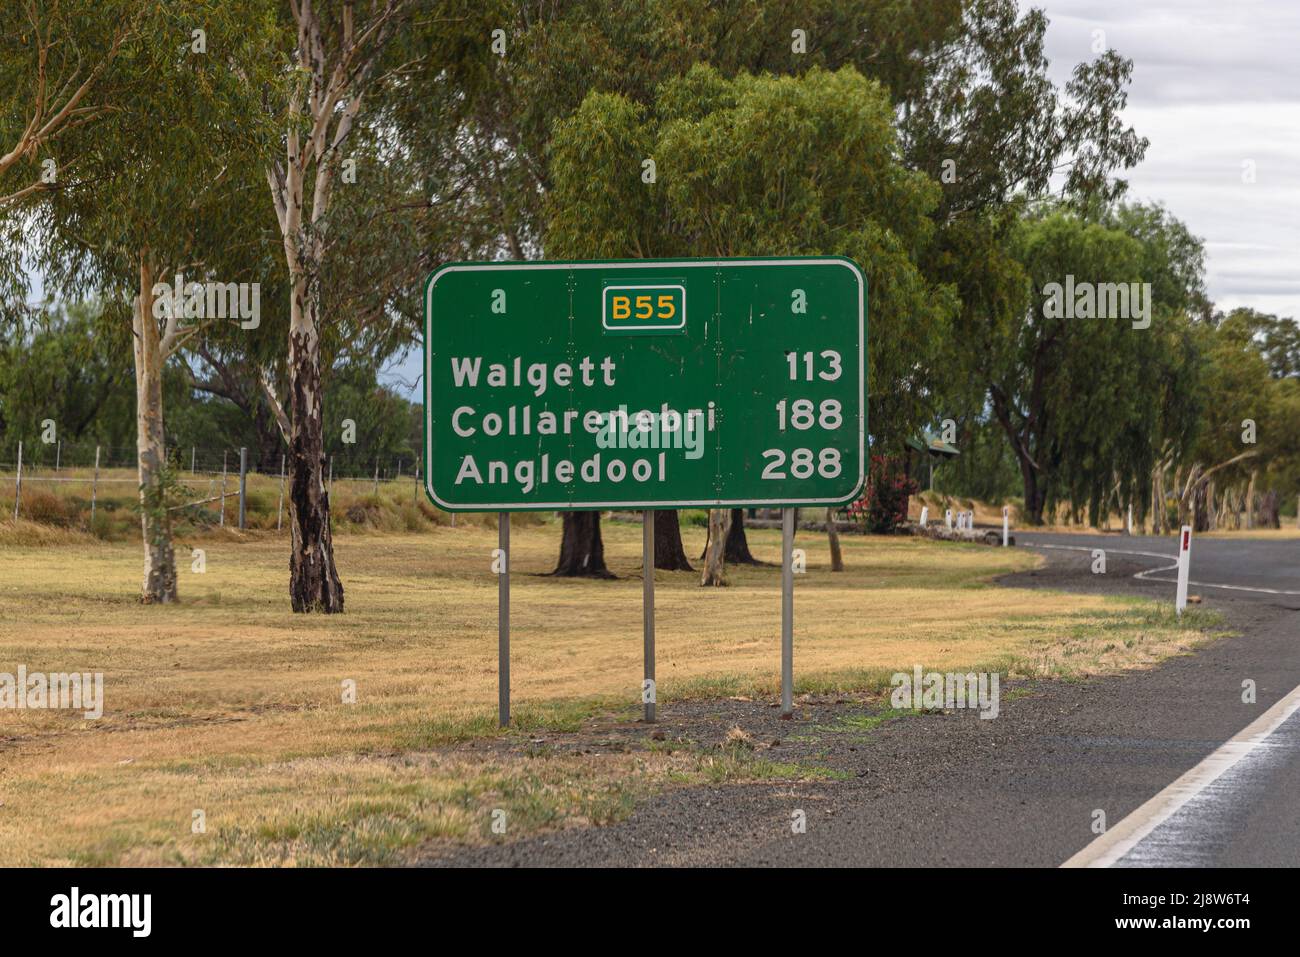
x=1261, y=534
x=230, y=704
x=62, y=502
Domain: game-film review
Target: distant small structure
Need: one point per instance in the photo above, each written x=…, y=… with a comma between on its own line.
x=925, y=450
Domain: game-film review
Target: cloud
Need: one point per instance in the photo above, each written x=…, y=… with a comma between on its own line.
x=1214, y=85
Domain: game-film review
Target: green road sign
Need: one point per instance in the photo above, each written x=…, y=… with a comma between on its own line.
x=645, y=384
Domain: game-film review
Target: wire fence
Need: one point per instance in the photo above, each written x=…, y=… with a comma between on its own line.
x=57, y=464
x=56, y=457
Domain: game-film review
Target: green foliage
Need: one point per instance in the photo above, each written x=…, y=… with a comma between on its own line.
x=383, y=422
x=1090, y=403
x=59, y=369
x=763, y=166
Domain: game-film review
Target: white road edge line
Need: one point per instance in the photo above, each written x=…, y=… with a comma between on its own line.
x=1145, y=576
x=1128, y=833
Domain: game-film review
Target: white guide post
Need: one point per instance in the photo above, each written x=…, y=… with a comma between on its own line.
x=1184, y=567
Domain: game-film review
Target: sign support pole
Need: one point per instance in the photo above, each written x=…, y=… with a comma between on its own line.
x=787, y=612
x=503, y=620
x=648, y=690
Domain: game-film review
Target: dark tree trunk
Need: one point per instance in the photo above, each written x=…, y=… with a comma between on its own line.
x=1035, y=495
x=313, y=579
x=737, y=551
x=737, y=545
x=1035, y=488
x=582, y=552
x=837, y=555
x=269, y=444
x=1201, y=510
x=670, y=556
x=1270, y=510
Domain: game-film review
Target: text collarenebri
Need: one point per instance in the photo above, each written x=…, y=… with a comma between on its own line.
x=651, y=430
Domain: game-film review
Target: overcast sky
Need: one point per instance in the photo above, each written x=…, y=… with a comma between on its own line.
x=1215, y=83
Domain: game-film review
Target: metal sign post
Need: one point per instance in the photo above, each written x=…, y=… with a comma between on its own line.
x=648, y=689
x=503, y=620
x=787, y=612
x=1184, y=567
x=646, y=384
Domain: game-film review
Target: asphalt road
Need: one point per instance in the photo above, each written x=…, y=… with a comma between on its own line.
x=1027, y=789
x=1250, y=568
x=1239, y=806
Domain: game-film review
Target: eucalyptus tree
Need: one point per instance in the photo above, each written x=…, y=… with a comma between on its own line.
x=750, y=166
x=1248, y=428
x=500, y=74
x=59, y=62
x=335, y=63
x=146, y=215
x=1095, y=378
x=999, y=135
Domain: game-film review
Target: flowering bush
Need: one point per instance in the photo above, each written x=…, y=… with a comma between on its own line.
x=883, y=506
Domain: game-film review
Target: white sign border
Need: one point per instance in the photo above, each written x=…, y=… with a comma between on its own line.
x=645, y=264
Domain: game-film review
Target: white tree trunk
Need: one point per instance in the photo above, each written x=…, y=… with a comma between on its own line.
x=159, y=585
x=716, y=552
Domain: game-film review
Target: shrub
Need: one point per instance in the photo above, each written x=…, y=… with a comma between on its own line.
x=883, y=506
x=48, y=508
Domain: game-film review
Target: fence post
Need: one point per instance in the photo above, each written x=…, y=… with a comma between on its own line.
x=279, y=512
x=94, y=490
x=376, y=476
x=243, y=483
x=191, y=460
x=415, y=494
x=223, y=488
x=18, y=486
x=58, y=455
